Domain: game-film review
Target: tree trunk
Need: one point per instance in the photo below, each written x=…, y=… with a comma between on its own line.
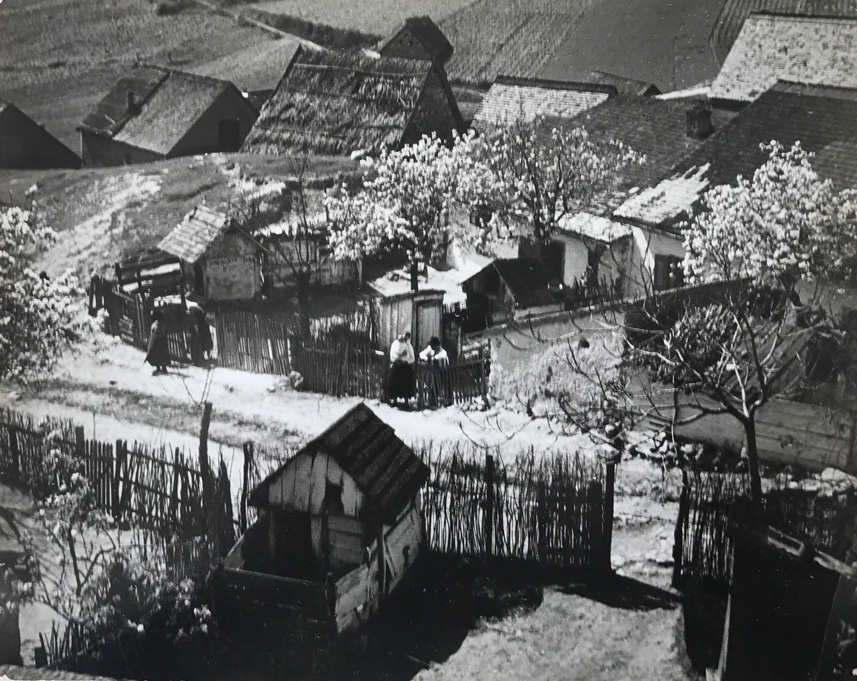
x=415, y=275
x=753, y=462
x=302, y=281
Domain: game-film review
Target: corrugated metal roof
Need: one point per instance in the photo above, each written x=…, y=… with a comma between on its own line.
x=192, y=238
x=384, y=468
x=812, y=50
x=510, y=99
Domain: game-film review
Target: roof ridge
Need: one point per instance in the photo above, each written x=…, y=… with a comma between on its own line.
x=798, y=16
x=170, y=71
x=556, y=84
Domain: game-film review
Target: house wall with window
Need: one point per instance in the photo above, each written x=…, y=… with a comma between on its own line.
x=654, y=261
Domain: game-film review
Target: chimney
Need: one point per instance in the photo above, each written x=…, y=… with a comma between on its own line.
x=132, y=104
x=699, y=122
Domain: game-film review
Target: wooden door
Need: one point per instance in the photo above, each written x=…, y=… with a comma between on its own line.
x=427, y=323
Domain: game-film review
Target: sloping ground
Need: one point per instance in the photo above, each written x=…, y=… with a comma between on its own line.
x=511, y=37
x=665, y=43
x=103, y=215
x=58, y=57
x=371, y=16
x=734, y=12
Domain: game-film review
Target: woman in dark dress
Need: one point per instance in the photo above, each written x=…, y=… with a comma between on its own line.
x=401, y=382
x=158, y=354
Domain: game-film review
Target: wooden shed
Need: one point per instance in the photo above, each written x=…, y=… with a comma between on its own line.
x=225, y=261
x=339, y=526
x=420, y=312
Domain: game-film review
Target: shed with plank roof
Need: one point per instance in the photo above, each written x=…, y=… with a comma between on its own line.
x=223, y=258
x=343, y=515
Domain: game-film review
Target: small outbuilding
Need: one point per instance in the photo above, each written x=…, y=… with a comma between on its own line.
x=511, y=289
x=417, y=38
x=25, y=144
x=224, y=261
x=394, y=312
x=155, y=113
x=339, y=527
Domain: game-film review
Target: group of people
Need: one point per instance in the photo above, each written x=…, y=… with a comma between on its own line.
x=402, y=381
x=158, y=351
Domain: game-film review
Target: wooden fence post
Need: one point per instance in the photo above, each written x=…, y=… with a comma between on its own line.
x=248, y=464
x=118, y=463
x=609, y=490
x=678, y=534
x=542, y=523
x=16, y=455
x=79, y=442
x=204, y=465
x=489, y=505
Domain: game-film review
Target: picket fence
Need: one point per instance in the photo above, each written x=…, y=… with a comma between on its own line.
x=554, y=512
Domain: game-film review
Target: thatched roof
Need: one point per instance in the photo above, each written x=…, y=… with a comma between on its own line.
x=338, y=103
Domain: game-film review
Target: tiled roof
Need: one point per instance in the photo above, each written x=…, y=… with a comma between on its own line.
x=384, y=468
x=654, y=128
x=196, y=233
x=594, y=227
x=625, y=86
x=770, y=47
x=510, y=99
x=167, y=104
x=427, y=33
x=822, y=119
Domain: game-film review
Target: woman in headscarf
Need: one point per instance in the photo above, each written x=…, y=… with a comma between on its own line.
x=158, y=354
x=401, y=383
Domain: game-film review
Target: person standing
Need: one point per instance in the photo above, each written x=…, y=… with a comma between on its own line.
x=158, y=353
x=401, y=383
x=435, y=358
x=203, y=330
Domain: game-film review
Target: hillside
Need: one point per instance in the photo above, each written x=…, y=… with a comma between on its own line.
x=666, y=43
x=103, y=215
x=59, y=57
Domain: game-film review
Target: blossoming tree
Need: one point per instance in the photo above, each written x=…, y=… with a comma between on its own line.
x=39, y=317
x=539, y=178
x=760, y=331
x=405, y=201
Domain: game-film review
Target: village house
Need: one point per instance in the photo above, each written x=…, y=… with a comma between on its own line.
x=821, y=118
x=26, y=144
x=155, y=113
x=343, y=512
x=812, y=50
x=220, y=258
x=333, y=103
x=417, y=38
x=511, y=99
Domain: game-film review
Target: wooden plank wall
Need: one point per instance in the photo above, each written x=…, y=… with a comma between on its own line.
x=302, y=485
x=811, y=436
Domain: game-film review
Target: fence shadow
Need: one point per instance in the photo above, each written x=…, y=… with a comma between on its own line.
x=625, y=593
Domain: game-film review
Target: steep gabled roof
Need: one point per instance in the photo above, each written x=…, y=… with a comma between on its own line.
x=384, y=468
x=167, y=103
x=651, y=127
x=805, y=49
x=625, y=86
x=196, y=234
x=337, y=103
x=821, y=118
x=427, y=33
x=59, y=153
x=510, y=99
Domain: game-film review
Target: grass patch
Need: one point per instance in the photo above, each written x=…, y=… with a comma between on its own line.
x=323, y=34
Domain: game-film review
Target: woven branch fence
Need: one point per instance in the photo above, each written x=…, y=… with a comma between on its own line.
x=157, y=489
x=702, y=548
x=553, y=511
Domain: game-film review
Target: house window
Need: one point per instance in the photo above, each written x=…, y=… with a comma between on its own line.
x=669, y=272
x=229, y=135
x=553, y=257
x=480, y=216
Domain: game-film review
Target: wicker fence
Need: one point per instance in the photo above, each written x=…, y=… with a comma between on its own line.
x=552, y=511
x=702, y=548
x=153, y=488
